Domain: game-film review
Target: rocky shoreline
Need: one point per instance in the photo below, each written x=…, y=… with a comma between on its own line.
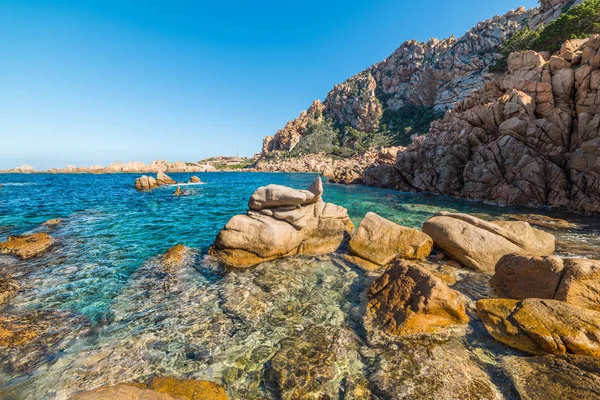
x=462, y=308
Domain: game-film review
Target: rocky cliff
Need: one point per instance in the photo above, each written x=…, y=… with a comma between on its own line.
x=129, y=167
x=417, y=78
x=530, y=137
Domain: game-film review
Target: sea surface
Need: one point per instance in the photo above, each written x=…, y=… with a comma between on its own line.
x=112, y=315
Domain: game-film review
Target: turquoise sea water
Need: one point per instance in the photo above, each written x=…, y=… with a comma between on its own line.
x=102, y=273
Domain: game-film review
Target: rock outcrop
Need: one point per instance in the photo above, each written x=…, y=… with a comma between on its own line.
x=408, y=299
x=282, y=222
x=27, y=246
x=542, y=327
x=436, y=73
x=118, y=167
x=195, y=179
x=479, y=244
x=528, y=138
x=148, y=183
x=378, y=241
x=175, y=257
x=580, y=284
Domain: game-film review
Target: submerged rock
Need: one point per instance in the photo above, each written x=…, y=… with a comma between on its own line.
x=479, y=245
x=408, y=299
x=123, y=391
x=379, y=241
x=555, y=377
x=189, y=389
x=53, y=222
x=542, y=327
x=27, y=246
x=175, y=257
x=282, y=222
x=8, y=288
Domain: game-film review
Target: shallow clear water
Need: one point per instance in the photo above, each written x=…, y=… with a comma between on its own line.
x=125, y=319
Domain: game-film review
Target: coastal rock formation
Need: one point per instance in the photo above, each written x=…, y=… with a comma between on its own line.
x=555, y=377
x=27, y=246
x=195, y=179
x=164, y=179
x=521, y=277
x=379, y=241
x=118, y=167
x=146, y=183
x=479, y=244
x=159, y=388
x=53, y=222
x=435, y=74
x=580, y=284
x=407, y=299
x=575, y=281
x=282, y=222
x=542, y=327
x=527, y=138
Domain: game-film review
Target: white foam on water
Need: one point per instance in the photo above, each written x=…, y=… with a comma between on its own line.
x=18, y=183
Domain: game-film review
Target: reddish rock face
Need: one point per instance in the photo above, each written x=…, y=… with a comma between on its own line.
x=527, y=138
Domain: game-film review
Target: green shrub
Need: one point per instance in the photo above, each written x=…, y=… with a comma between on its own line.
x=399, y=125
x=579, y=22
x=319, y=137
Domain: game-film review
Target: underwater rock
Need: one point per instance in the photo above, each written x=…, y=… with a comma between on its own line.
x=188, y=389
x=123, y=391
x=53, y=222
x=32, y=337
x=522, y=277
x=379, y=241
x=27, y=246
x=177, y=191
x=175, y=257
x=146, y=183
x=580, y=284
x=8, y=288
x=195, y=179
x=164, y=179
x=542, y=327
x=408, y=299
x=479, y=245
x=308, y=226
x=555, y=377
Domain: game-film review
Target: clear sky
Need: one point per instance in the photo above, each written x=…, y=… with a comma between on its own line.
x=90, y=82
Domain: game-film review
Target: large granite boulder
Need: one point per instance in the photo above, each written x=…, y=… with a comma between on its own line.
x=379, y=241
x=408, y=299
x=580, y=284
x=542, y=327
x=554, y=377
x=164, y=179
x=27, y=246
x=521, y=277
x=282, y=222
x=479, y=244
x=575, y=281
x=195, y=179
x=146, y=182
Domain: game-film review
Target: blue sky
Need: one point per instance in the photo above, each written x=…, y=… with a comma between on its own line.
x=91, y=82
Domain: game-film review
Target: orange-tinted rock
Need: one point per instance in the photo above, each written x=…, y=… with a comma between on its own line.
x=407, y=299
x=27, y=246
x=188, y=389
x=580, y=284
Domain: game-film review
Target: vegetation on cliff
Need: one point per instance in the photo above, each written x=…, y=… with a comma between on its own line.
x=578, y=22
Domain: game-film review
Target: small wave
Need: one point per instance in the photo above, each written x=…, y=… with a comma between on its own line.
x=187, y=184
x=18, y=183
